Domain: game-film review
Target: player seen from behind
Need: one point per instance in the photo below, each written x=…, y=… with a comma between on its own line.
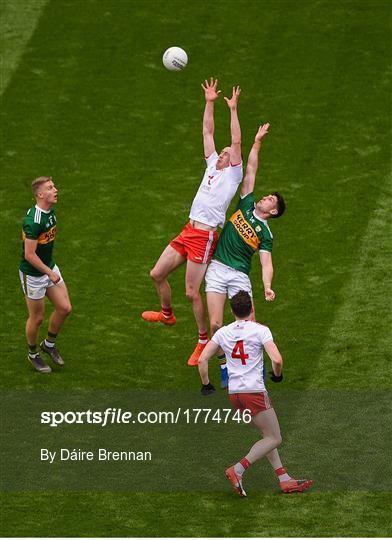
x=197, y=241
x=243, y=342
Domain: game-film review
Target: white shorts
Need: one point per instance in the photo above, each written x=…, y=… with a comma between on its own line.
x=223, y=279
x=34, y=287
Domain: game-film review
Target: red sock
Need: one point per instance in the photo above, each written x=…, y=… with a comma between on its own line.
x=241, y=466
x=282, y=474
x=245, y=463
x=167, y=311
x=203, y=336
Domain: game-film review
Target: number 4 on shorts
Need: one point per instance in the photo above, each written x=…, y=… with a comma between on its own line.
x=238, y=352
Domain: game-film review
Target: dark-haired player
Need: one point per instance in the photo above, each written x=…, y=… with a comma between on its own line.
x=40, y=276
x=245, y=233
x=243, y=342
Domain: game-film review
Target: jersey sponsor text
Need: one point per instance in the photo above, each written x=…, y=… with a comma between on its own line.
x=243, y=228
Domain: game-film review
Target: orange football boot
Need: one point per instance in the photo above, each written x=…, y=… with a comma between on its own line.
x=291, y=486
x=158, y=316
x=193, y=360
x=236, y=481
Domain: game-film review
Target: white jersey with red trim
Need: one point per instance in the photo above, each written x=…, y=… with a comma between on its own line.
x=215, y=193
x=242, y=342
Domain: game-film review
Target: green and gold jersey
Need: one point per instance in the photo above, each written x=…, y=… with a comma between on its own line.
x=39, y=225
x=242, y=236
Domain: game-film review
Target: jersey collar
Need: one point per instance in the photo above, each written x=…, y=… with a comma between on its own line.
x=42, y=210
x=264, y=221
x=259, y=218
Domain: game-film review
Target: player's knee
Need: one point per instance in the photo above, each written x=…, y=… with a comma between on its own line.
x=155, y=275
x=278, y=440
x=192, y=295
x=214, y=326
x=65, y=309
x=37, y=318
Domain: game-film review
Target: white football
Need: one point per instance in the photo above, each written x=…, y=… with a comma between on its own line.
x=175, y=59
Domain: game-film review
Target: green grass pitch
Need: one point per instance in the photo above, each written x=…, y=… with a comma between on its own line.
x=86, y=99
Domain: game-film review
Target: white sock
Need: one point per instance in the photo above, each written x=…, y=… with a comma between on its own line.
x=203, y=336
x=49, y=343
x=239, y=469
x=282, y=474
x=241, y=466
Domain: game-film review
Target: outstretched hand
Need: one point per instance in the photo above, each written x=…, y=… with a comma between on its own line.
x=210, y=89
x=233, y=101
x=262, y=132
x=269, y=295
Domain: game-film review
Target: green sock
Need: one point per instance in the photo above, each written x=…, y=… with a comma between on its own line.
x=51, y=337
x=221, y=358
x=33, y=349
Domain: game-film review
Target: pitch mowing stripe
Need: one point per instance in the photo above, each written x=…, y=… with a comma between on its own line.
x=361, y=327
x=18, y=20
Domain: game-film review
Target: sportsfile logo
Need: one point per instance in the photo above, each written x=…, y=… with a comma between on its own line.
x=106, y=417
x=243, y=228
x=118, y=416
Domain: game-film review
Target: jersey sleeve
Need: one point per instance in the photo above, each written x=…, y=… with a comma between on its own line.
x=32, y=230
x=212, y=159
x=246, y=203
x=265, y=335
x=266, y=243
x=236, y=173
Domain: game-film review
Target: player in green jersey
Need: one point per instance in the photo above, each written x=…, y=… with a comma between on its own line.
x=246, y=232
x=40, y=276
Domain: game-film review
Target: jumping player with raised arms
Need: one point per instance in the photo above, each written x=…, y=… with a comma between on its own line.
x=196, y=243
x=243, y=342
x=245, y=233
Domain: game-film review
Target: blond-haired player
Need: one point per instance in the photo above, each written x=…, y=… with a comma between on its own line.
x=40, y=276
x=243, y=342
x=196, y=243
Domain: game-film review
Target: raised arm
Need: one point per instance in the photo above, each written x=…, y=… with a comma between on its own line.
x=211, y=94
x=267, y=273
x=232, y=103
x=248, y=182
